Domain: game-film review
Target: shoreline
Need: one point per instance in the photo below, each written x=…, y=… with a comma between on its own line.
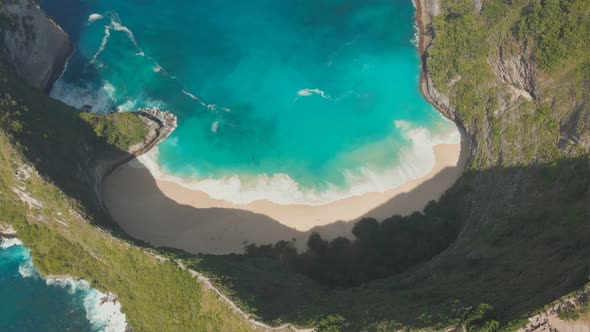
x=106, y=301
x=166, y=213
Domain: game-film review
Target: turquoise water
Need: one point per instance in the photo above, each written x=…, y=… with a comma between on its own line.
x=31, y=303
x=293, y=101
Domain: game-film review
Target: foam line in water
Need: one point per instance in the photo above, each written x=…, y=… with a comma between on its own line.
x=118, y=26
x=211, y=107
x=101, y=103
x=103, y=44
x=416, y=161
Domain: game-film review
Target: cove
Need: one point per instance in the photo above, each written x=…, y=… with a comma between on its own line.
x=302, y=102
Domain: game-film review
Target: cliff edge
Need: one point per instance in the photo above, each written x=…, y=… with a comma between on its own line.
x=33, y=44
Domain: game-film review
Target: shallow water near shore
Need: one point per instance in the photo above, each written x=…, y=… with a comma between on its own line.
x=291, y=101
x=31, y=303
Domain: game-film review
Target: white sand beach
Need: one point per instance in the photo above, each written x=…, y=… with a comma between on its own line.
x=166, y=213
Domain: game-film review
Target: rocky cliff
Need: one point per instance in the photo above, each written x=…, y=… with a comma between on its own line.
x=525, y=197
x=33, y=43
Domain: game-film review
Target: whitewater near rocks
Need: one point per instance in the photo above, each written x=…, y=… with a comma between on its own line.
x=273, y=104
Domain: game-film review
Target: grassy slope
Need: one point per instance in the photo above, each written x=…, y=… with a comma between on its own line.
x=40, y=132
x=524, y=202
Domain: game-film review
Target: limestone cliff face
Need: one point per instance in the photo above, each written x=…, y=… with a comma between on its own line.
x=501, y=129
x=33, y=43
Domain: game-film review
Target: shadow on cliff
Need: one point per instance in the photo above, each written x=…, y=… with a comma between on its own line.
x=524, y=239
x=522, y=243
x=71, y=15
x=145, y=212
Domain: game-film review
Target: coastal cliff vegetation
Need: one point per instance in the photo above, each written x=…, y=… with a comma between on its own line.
x=514, y=74
x=43, y=146
x=508, y=238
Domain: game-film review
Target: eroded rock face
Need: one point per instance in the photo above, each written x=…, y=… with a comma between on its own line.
x=431, y=8
x=33, y=43
x=516, y=69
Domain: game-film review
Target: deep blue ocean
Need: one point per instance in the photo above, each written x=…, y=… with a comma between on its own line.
x=31, y=303
x=293, y=101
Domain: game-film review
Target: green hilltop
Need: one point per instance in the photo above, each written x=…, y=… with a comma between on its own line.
x=44, y=143
x=508, y=238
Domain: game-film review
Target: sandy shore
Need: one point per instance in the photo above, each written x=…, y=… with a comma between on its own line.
x=167, y=214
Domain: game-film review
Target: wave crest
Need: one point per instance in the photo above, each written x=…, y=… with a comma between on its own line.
x=103, y=311
x=416, y=161
x=7, y=243
x=27, y=269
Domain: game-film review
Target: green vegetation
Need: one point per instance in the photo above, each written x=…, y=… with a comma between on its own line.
x=121, y=130
x=155, y=295
x=520, y=211
x=508, y=238
x=379, y=249
x=66, y=146
x=559, y=29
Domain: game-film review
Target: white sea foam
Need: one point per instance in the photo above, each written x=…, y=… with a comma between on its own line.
x=416, y=39
x=66, y=66
x=7, y=243
x=214, y=127
x=103, y=43
x=416, y=161
x=309, y=92
x=103, y=311
x=102, y=100
x=118, y=26
x=27, y=269
x=211, y=107
x=129, y=105
x=94, y=17
x=193, y=97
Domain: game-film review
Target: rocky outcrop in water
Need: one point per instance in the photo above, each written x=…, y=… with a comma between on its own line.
x=33, y=43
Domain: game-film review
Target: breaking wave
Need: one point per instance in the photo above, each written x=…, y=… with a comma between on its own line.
x=100, y=100
x=103, y=311
x=7, y=243
x=415, y=161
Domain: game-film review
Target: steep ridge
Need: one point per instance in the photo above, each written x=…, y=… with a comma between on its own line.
x=523, y=204
x=52, y=160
